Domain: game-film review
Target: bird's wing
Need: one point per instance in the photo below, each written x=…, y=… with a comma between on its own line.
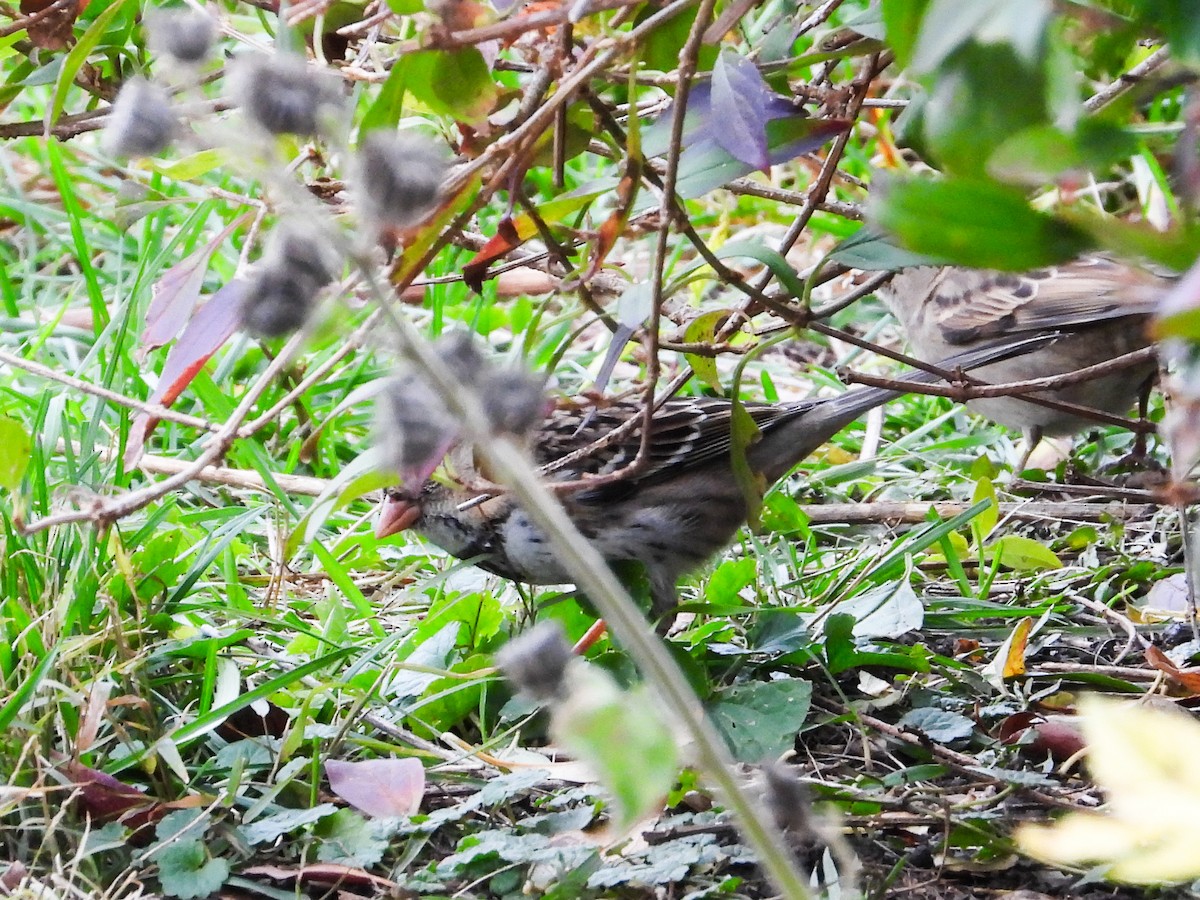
x=687, y=432
x=969, y=305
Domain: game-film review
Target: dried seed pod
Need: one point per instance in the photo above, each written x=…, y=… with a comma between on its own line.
x=285, y=95
x=399, y=178
x=185, y=35
x=413, y=428
x=537, y=660
x=141, y=122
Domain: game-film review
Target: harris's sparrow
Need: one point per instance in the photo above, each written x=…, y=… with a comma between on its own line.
x=671, y=516
x=1100, y=306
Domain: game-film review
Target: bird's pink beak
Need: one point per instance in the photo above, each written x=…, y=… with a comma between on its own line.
x=396, y=514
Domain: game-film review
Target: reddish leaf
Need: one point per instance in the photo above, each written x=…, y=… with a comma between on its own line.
x=53, y=31
x=175, y=295
x=740, y=99
x=1188, y=678
x=247, y=723
x=208, y=329
x=105, y=799
x=1040, y=737
x=12, y=878
x=505, y=240
x=614, y=226
x=379, y=787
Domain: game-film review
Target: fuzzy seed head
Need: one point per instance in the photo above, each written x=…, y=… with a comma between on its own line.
x=276, y=302
x=141, y=122
x=285, y=95
x=460, y=352
x=514, y=401
x=536, y=661
x=399, y=178
x=184, y=35
x=308, y=255
x=413, y=428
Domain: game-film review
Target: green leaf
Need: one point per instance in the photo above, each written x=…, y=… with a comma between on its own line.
x=1178, y=23
x=985, y=522
x=185, y=871
x=448, y=701
x=1044, y=152
x=772, y=259
x=348, y=839
x=271, y=828
x=729, y=578
x=743, y=432
x=902, y=24
x=660, y=48
x=760, y=719
x=455, y=83
x=182, y=825
x=623, y=736
x=869, y=250
x=385, y=111
x=966, y=118
x=973, y=223
x=75, y=59
x=1177, y=248
x=938, y=725
x=188, y=168
x=886, y=610
x=1018, y=552
x=15, y=446
x=703, y=329
x=706, y=169
x=356, y=479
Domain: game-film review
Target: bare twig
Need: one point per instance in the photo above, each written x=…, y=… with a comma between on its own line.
x=917, y=512
x=103, y=512
x=1128, y=80
x=154, y=410
x=1026, y=389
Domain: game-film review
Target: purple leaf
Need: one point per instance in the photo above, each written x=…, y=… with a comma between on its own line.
x=378, y=787
x=203, y=335
x=175, y=295
x=738, y=119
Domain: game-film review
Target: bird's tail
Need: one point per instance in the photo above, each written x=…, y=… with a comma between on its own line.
x=818, y=421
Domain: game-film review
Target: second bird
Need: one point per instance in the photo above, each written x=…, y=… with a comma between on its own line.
x=1100, y=306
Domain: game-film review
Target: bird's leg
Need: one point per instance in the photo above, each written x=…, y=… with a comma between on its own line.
x=590, y=637
x=1139, y=443
x=1032, y=437
x=1189, y=567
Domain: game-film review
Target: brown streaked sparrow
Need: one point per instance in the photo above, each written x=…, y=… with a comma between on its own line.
x=671, y=516
x=1100, y=306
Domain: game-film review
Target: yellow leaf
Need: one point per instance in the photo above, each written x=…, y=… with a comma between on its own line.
x=1014, y=657
x=1148, y=763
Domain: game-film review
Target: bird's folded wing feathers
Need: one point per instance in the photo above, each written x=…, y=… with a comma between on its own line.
x=688, y=432
x=969, y=305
